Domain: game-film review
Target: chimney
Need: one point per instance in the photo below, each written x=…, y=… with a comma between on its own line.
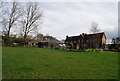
x=67, y=36
x=83, y=34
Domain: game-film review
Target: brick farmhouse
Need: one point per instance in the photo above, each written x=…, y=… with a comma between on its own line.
x=84, y=40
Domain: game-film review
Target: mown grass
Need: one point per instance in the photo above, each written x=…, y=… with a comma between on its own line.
x=44, y=63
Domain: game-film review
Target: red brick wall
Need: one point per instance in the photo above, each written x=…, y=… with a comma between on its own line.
x=103, y=39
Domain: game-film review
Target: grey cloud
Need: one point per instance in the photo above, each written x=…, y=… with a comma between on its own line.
x=61, y=19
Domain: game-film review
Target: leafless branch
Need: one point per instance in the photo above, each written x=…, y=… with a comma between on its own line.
x=11, y=17
x=31, y=17
x=94, y=27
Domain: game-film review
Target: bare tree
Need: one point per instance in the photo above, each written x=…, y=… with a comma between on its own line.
x=2, y=4
x=115, y=40
x=10, y=18
x=40, y=37
x=94, y=27
x=30, y=19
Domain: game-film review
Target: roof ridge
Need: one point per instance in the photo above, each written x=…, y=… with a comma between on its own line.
x=87, y=34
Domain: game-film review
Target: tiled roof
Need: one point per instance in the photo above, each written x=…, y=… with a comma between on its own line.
x=84, y=35
x=36, y=41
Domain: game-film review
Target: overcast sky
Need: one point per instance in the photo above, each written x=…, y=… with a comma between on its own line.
x=73, y=18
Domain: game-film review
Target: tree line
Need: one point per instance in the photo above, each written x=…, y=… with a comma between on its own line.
x=21, y=19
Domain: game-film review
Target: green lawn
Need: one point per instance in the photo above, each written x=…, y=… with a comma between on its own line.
x=44, y=63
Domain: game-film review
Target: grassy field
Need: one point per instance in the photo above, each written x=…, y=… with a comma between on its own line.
x=44, y=63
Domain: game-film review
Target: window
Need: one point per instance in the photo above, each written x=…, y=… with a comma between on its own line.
x=79, y=41
x=74, y=41
x=87, y=40
x=82, y=40
x=91, y=40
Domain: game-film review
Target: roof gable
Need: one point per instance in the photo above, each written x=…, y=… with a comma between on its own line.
x=96, y=35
